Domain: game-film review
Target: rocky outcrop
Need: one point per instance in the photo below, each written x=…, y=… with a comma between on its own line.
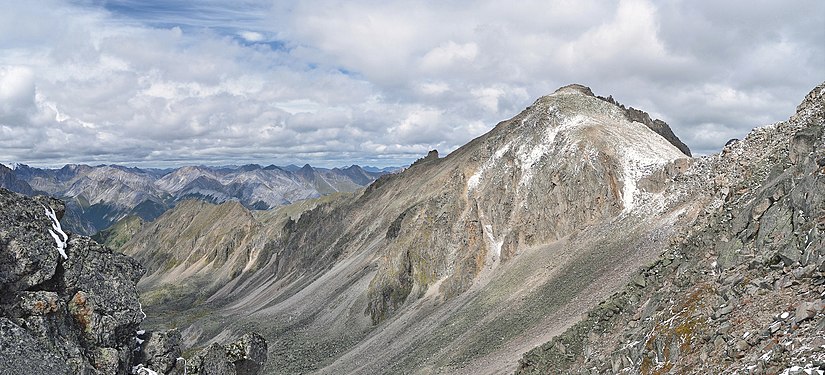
x=161, y=352
x=77, y=314
x=741, y=291
x=246, y=356
x=69, y=305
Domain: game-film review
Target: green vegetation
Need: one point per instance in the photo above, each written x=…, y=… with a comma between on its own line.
x=119, y=233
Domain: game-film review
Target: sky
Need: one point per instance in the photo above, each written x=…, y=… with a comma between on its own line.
x=333, y=83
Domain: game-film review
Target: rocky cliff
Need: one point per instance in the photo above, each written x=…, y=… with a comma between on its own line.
x=70, y=306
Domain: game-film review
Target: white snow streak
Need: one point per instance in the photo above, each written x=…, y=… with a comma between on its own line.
x=495, y=246
x=528, y=156
x=641, y=151
x=475, y=179
x=60, y=240
x=141, y=370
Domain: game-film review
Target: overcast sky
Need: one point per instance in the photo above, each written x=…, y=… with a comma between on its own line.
x=332, y=83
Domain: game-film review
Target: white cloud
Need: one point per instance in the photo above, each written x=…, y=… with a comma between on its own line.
x=449, y=55
x=251, y=36
x=17, y=94
x=433, y=88
x=332, y=82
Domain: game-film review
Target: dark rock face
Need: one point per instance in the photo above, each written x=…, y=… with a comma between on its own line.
x=243, y=357
x=161, y=351
x=73, y=315
x=80, y=314
x=10, y=181
x=25, y=354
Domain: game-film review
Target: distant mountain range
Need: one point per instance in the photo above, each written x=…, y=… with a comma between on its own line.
x=99, y=196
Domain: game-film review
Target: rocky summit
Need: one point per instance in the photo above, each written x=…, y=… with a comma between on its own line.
x=70, y=306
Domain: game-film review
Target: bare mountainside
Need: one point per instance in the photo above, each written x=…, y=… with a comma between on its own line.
x=459, y=264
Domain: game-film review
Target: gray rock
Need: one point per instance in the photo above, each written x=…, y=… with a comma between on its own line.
x=807, y=310
x=729, y=253
x=20, y=353
x=639, y=280
x=28, y=255
x=72, y=315
x=246, y=356
x=160, y=350
x=727, y=309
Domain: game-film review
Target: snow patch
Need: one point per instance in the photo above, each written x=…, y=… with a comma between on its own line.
x=808, y=369
x=60, y=237
x=641, y=151
x=141, y=370
x=475, y=179
x=495, y=246
x=529, y=156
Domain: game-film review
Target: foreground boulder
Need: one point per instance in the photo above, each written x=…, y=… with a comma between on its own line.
x=243, y=357
x=69, y=305
x=77, y=314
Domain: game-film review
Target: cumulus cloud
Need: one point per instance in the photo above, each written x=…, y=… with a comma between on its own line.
x=333, y=83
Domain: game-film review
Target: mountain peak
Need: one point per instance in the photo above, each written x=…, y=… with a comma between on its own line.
x=631, y=114
x=574, y=88
x=658, y=126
